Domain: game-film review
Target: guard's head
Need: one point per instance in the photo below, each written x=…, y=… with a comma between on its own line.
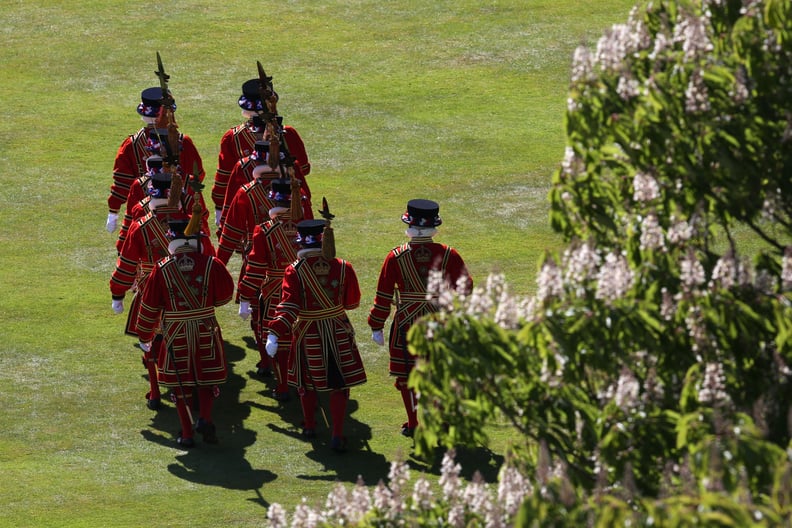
x=151, y=102
x=250, y=100
x=422, y=213
x=309, y=233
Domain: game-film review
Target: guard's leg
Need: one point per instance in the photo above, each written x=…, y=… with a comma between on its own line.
x=410, y=406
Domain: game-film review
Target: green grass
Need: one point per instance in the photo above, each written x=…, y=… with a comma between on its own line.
x=458, y=101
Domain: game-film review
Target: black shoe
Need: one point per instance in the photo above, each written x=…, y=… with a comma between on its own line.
x=280, y=396
x=308, y=434
x=207, y=430
x=264, y=372
x=186, y=443
x=338, y=444
x=153, y=403
x=407, y=431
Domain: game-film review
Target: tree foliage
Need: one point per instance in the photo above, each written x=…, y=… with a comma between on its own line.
x=649, y=374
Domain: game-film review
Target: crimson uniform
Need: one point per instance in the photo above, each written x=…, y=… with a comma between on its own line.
x=246, y=170
x=238, y=141
x=141, y=208
x=316, y=292
x=130, y=162
x=131, y=159
x=403, y=282
x=145, y=244
x=181, y=295
x=249, y=208
x=273, y=248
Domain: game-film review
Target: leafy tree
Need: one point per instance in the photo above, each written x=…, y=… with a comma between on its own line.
x=651, y=366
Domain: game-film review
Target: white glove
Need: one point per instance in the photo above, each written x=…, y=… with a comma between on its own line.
x=112, y=222
x=145, y=347
x=377, y=337
x=118, y=306
x=244, y=310
x=272, y=345
x=218, y=212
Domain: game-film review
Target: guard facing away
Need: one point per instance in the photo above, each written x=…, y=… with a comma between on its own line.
x=130, y=160
x=238, y=142
x=274, y=247
x=403, y=283
x=317, y=291
x=181, y=295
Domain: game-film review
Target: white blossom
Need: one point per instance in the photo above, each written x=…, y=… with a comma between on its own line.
x=627, y=390
x=667, y=305
x=712, y=389
x=652, y=236
x=549, y=281
x=422, y=496
x=645, y=187
x=691, y=271
x=580, y=262
x=697, y=94
x=276, y=515
x=691, y=31
x=680, y=232
x=582, y=65
x=628, y=87
x=572, y=165
x=786, y=268
x=724, y=274
x=614, y=278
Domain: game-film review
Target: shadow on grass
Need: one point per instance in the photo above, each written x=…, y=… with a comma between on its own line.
x=223, y=464
x=358, y=461
x=471, y=459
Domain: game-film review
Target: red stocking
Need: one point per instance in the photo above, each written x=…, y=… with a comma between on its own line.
x=410, y=402
x=338, y=404
x=205, y=402
x=308, y=401
x=182, y=404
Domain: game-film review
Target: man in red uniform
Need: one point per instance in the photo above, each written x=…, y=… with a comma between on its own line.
x=130, y=161
x=245, y=171
x=145, y=244
x=316, y=292
x=274, y=247
x=181, y=295
x=238, y=142
x=143, y=188
x=403, y=282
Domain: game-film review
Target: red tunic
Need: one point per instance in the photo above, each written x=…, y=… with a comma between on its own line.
x=249, y=208
x=183, y=301
x=130, y=164
x=402, y=281
x=273, y=249
x=315, y=294
x=237, y=143
x=140, y=208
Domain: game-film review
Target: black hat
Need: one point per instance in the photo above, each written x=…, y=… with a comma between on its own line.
x=309, y=233
x=422, y=213
x=261, y=146
x=280, y=190
x=251, y=96
x=154, y=162
x=160, y=184
x=151, y=101
x=176, y=227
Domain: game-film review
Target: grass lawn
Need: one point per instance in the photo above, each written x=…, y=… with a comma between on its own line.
x=458, y=101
